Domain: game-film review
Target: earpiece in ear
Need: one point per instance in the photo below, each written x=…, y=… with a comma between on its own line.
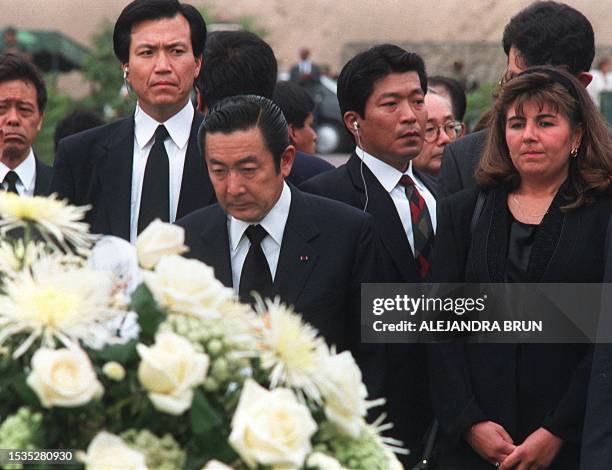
x=125, y=72
x=355, y=125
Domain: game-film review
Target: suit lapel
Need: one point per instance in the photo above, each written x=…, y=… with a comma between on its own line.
x=298, y=254
x=389, y=226
x=196, y=188
x=115, y=178
x=216, y=242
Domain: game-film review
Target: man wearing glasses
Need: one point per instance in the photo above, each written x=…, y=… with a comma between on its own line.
x=441, y=129
x=537, y=35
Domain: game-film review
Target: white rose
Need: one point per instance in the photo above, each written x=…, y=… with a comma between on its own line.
x=323, y=462
x=344, y=393
x=63, y=377
x=271, y=427
x=157, y=240
x=187, y=286
x=107, y=451
x=169, y=371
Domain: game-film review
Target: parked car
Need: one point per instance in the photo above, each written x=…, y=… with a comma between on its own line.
x=332, y=136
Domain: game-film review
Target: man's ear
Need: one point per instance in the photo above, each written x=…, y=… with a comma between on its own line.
x=350, y=118
x=585, y=78
x=287, y=159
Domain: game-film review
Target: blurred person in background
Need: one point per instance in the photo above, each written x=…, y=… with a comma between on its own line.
x=602, y=80
x=305, y=71
x=76, y=121
x=441, y=129
x=451, y=89
x=297, y=106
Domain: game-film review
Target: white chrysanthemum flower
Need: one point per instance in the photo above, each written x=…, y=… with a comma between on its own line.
x=57, y=221
x=17, y=255
x=55, y=300
x=291, y=348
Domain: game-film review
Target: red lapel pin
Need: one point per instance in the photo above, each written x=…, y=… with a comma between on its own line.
x=303, y=258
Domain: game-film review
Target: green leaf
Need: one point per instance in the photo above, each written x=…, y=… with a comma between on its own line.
x=149, y=313
x=122, y=353
x=26, y=393
x=205, y=420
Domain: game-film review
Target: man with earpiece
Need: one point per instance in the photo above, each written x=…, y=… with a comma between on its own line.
x=23, y=97
x=144, y=167
x=381, y=93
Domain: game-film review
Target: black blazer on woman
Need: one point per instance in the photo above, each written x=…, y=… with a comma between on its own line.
x=519, y=386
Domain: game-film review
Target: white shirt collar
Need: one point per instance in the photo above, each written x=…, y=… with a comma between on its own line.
x=178, y=126
x=274, y=222
x=26, y=171
x=386, y=175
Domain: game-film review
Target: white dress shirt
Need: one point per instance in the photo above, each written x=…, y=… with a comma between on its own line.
x=274, y=223
x=26, y=171
x=389, y=178
x=179, y=128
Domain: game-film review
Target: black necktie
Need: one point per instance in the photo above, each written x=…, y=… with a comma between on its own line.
x=255, y=274
x=155, y=197
x=11, y=179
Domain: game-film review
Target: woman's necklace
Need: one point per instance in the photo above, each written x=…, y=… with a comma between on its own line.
x=525, y=213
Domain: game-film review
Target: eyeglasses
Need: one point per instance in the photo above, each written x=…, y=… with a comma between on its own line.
x=452, y=129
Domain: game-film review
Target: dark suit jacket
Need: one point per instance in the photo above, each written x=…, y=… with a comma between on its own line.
x=327, y=251
x=95, y=167
x=459, y=162
x=597, y=437
x=406, y=387
x=296, y=76
x=519, y=386
x=306, y=166
x=44, y=174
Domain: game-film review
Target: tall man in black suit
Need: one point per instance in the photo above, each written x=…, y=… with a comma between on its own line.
x=23, y=97
x=241, y=63
x=544, y=33
x=381, y=94
x=146, y=166
x=269, y=237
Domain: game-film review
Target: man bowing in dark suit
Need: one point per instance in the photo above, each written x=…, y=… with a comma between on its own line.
x=147, y=166
x=269, y=237
x=23, y=97
x=381, y=94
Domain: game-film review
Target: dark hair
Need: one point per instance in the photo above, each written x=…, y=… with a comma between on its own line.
x=240, y=113
x=295, y=103
x=76, y=121
x=142, y=10
x=356, y=81
x=454, y=90
x=551, y=33
x=590, y=172
x=237, y=63
x=17, y=67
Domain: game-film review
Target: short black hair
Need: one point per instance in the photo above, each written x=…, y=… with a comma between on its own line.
x=237, y=63
x=455, y=92
x=240, y=113
x=76, y=121
x=142, y=10
x=356, y=81
x=17, y=67
x=551, y=33
x=295, y=103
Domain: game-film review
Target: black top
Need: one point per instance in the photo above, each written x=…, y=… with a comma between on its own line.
x=520, y=242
